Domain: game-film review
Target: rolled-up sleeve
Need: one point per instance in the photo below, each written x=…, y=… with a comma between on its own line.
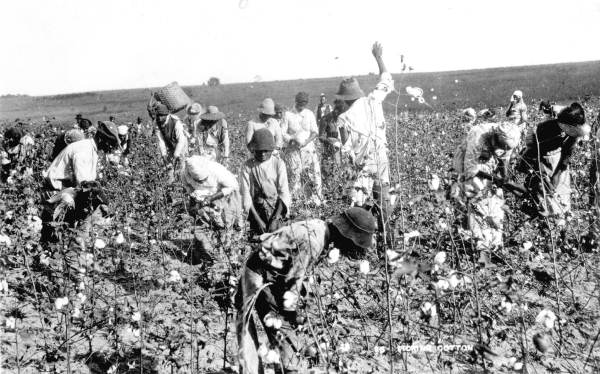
x=162, y=147
x=383, y=88
x=225, y=142
x=180, y=148
x=245, y=188
x=283, y=189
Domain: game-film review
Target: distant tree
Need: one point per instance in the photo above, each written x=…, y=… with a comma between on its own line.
x=213, y=82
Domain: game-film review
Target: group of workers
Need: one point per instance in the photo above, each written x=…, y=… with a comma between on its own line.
x=281, y=145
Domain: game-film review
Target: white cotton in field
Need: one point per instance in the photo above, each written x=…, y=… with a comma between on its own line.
x=364, y=267
x=120, y=239
x=99, y=244
x=61, y=302
x=410, y=235
x=434, y=182
x=174, y=277
x=434, y=97
x=527, y=245
x=290, y=299
x=547, y=318
x=439, y=258
x=4, y=239
x=333, y=256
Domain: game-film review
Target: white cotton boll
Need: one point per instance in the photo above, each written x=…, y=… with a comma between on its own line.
x=527, y=245
x=268, y=320
x=456, y=81
x=136, y=317
x=81, y=298
x=547, y=318
x=120, y=239
x=442, y=285
x=4, y=239
x=344, y=347
x=434, y=182
x=34, y=223
x=81, y=286
x=333, y=256
x=410, y=235
x=392, y=255
x=174, y=277
x=290, y=299
x=364, y=267
x=11, y=323
x=434, y=97
x=99, y=244
x=76, y=313
x=439, y=258
x=61, y=302
x=277, y=323
x=272, y=357
x=454, y=281
x=262, y=351
x=4, y=286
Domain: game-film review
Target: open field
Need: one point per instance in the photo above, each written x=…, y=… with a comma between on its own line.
x=135, y=316
x=459, y=89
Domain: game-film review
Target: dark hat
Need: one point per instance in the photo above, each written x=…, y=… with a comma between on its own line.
x=302, y=97
x=212, y=114
x=262, y=140
x=14, y=133
x=78, y=116
x=573, y=115
x=356, y=224
x=349, y=90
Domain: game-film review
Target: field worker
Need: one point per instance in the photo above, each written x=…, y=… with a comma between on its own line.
x=192, y=119
x=73, y=166
x=299, y=129
x=551, y=110
x=17, y=147
x=323, y=108
x=332, y=137
x=212, y=135
x=125, y=143
x=279, y=111
x=272, y=282
x=517, y=110
x=214, y=204
x=486, y=149
x=366, y=146
x=85, y=125
x=469, y=116
x=545, y=160
x=264, y=186
x=171, y=136
x=266, y=120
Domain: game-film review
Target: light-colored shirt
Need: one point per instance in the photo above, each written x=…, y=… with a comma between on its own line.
x=272, y=125
x=299, y=244
x=181, y=136
x=213, y=141
x=74, y=164
x=265, y=179
x=299, y=126
x=365, y=122
x=219, y=180
x=518, y=110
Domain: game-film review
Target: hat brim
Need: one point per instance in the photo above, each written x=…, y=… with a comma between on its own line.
x=212, y=116
x=269, y=113
x=351, y=96
x=360, y=238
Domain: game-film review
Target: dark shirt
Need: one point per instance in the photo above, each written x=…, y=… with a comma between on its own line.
x=549, y=137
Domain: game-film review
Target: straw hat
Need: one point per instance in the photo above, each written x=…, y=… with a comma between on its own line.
x=212, y=114
x=73, y=136
x=194, y=109
x=469, y=113
x=262, y=140
x=196, y=167
x=267, y=107
x=122, y=130
x=356, y=224
x=349, y=90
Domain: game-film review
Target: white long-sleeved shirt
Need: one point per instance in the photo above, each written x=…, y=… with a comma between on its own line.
x=365, y=122
x=76, y=163
x=299, y=126
x=219, y=180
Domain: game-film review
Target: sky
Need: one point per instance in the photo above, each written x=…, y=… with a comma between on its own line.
x=64, y=46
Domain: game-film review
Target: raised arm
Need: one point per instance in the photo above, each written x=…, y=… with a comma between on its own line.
x=377, y=51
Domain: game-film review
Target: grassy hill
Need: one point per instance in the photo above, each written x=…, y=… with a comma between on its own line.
x=454, y=89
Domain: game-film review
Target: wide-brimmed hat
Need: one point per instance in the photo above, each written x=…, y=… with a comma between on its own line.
x=73, y=136
x=262, y=140
x=267, y=107
x=349, y=90
x=301, y=97
x=212, y=114
x=194, y=109
x=508, y=135
x=196, y=167
x=469, y=113
x=356, y=224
